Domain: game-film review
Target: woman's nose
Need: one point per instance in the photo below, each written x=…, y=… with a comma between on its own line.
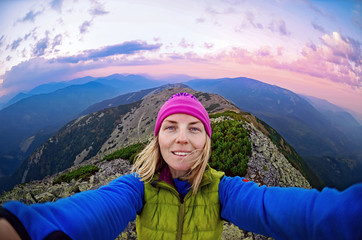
x=182, y=136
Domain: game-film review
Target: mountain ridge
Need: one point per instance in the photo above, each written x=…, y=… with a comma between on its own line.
x=128, y=98
x=97, y=134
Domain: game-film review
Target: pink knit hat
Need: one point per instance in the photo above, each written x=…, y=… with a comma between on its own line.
x=183, y=103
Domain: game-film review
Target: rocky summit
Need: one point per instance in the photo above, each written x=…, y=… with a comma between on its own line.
x=267, y=165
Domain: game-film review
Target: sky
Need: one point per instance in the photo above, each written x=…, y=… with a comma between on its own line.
x=311, y=47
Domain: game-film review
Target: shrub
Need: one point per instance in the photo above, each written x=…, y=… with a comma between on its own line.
x=230, y=148
x=81, y=173
x=129, y=152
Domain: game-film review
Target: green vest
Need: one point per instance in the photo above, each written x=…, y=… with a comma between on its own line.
x=166, y=215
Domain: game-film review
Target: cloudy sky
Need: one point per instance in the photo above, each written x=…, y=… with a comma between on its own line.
x=311, y=47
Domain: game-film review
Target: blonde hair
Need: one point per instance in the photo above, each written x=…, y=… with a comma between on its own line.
x=149, y=161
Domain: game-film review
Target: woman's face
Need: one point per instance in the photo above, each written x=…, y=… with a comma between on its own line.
x=182, y=138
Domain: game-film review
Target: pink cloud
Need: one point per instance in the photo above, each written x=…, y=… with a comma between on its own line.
x=251, y=20
x=337, y=59
x=39, y=70
x=208, y=45
x=185, y=44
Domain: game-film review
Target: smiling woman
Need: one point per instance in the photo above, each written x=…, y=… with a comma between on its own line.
x=174, y=194
x=183, y=133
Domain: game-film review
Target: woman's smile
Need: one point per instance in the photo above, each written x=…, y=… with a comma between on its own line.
x=181, y=154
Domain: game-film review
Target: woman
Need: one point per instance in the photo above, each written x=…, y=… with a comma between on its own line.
x=176, y=195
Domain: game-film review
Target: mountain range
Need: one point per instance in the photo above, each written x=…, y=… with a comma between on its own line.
x=328, y=140
x=94, y=135
x=28, y=122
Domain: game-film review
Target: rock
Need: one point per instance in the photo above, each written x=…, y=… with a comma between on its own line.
x=29, y=199
x=267, y=166
x=44, y=197
x=84, y=186
x=231, y=232
x=91, y=180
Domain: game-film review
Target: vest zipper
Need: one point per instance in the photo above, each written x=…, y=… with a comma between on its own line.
x=162, y=184
x=181, y=208
x=181, y=218
x=181, y=215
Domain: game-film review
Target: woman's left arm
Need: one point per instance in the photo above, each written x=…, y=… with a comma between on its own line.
x=292, y=213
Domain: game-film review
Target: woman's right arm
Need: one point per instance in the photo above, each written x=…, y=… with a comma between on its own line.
x=94, y=214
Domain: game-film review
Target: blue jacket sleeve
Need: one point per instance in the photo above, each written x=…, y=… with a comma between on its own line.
x=292, y=213
x=94, y=214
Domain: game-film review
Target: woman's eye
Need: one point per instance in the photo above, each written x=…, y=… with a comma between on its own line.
x=194, y=129
x=170, y=128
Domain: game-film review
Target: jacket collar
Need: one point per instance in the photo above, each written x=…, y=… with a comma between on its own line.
x=166, y=176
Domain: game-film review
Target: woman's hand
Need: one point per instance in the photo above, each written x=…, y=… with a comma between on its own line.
x=7, y=231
